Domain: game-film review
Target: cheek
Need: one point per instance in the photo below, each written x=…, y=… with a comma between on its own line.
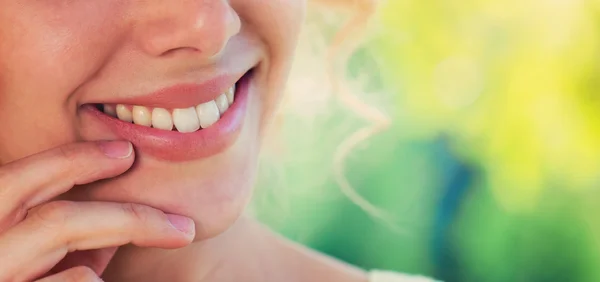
x=276, y=22
x=278, y=25
x=45, y=56
x=56, y=50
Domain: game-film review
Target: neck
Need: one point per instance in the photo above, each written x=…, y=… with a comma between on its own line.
x=243, y=253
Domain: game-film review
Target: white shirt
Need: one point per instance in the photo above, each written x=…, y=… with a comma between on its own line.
x=387, y=276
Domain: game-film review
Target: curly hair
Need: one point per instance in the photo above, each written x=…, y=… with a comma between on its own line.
x=336, y=49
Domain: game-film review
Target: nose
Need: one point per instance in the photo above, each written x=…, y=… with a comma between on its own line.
x=200, y=26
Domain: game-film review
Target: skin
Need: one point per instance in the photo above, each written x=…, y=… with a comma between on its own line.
x=78, y=199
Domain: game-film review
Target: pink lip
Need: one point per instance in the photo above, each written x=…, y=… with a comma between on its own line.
x=176, y=146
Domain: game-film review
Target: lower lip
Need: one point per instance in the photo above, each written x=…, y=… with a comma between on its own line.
x=177, y=146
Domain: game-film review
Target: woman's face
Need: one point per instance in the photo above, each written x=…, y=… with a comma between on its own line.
x=67, y=65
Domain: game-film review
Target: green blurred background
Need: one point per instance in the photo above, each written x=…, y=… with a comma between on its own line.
x=489, y=169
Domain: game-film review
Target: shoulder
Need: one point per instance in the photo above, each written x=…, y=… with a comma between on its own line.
x=296, y=263
x=309, y=265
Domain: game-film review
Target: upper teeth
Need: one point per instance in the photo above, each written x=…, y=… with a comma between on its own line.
x=185, y=120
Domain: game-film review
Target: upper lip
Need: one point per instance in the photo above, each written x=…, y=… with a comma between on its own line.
x=184, y=95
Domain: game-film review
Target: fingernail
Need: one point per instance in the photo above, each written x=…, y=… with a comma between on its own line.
x=116, y=149
x=182, y=223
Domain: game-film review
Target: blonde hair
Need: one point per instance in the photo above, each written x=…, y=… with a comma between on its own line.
x=347, y=39
x=336, y=51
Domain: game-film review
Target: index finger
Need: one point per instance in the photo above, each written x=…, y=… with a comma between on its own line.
x=28, y=182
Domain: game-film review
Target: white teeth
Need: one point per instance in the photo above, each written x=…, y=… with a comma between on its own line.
x=208, y=114
x=230, y=93
x=222, y=103
x=142, y=116
x=161, y=119
x=124, y=114
x=186, y=120
x=110, y=110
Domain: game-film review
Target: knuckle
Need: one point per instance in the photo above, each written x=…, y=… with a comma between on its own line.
x=138, y=212
x=12, y=210
x=55, y=214
x=68, y=153
x=16, y=215
x=80, y=274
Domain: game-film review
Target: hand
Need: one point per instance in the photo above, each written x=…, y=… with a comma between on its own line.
x=37, y=233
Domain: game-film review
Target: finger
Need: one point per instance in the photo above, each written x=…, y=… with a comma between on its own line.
x=38, y=178
x=38, y=243
x=77, y=274
x=97, y=260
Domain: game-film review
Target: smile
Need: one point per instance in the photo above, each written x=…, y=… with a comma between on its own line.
x=180, y=123
x=182, y=120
